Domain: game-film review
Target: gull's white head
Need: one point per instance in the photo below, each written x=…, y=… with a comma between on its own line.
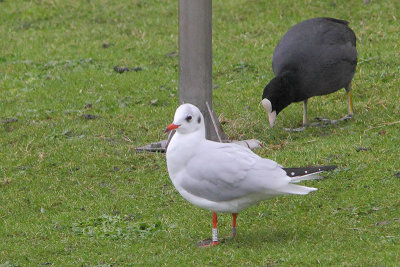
x=268, y=108
x=187, y=119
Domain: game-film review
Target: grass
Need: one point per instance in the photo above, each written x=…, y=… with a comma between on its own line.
x=73, y=191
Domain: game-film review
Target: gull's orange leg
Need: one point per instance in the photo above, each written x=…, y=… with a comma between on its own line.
x=234, y=215
x=214, y=230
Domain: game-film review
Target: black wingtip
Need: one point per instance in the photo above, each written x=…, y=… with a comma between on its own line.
x=293, y=172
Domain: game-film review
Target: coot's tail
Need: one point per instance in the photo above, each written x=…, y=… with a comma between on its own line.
x=345, y=22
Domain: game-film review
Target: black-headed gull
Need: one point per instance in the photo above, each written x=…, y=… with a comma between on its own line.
x=223, y=177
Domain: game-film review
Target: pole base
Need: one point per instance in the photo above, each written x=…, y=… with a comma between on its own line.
x=162, y=145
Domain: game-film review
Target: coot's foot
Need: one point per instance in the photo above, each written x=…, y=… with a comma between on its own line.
x=321, y=122
x=300, y=129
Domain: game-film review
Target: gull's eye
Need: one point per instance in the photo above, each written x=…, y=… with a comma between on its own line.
x=188, y=118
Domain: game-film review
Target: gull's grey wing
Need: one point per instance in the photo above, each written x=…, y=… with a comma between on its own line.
x=222, y=172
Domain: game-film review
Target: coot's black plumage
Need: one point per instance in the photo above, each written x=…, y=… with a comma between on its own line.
x=315, y=57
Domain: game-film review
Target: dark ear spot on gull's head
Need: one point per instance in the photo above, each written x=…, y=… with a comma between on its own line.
x=199, y=119
x=187, y=117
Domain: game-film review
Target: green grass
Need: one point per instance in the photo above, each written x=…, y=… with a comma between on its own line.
x=74, y=191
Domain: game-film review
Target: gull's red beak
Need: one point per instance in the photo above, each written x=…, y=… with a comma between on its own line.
x=171, y=127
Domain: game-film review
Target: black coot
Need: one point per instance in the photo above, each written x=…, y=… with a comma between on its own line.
x=315, y=57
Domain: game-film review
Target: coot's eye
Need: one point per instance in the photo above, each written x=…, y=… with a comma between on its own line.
x=188, y=118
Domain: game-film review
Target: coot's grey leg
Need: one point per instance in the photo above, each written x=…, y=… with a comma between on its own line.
x=321, y=121
x=305, y=121
x=326, y=122
x=348, y=90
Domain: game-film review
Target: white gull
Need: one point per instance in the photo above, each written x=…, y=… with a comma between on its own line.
x=222, y=177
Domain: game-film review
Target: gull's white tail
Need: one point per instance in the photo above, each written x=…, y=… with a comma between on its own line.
x=297, y=189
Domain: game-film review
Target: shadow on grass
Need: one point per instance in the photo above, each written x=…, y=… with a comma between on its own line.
x=267, y=236
x=259, y=237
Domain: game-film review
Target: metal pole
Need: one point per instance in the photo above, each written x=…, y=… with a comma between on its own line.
x=195, y=69
x=195, y=61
